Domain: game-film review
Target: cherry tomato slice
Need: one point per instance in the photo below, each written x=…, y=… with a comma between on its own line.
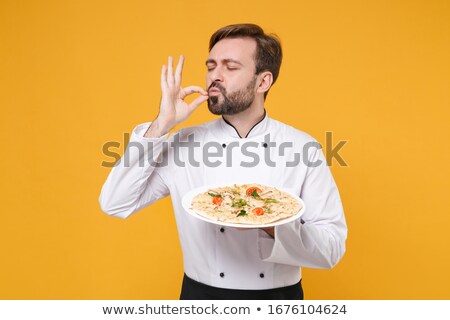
x=258, y=211
x=217, y=201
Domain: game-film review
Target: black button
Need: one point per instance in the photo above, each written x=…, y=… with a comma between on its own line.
x=222, y=275
x=222, y=230
x=223, y=145
x=261, y=275
x=265, y=145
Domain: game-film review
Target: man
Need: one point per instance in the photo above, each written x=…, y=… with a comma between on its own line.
x=225, y=262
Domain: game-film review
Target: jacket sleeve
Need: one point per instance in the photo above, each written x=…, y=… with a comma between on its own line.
x=319, y=242
x=135, y=181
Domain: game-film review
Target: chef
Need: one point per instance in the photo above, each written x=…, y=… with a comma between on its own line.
x=244, y=145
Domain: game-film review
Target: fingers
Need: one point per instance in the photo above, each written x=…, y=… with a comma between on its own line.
x=170, y=78
x=163, y=78
x=178, y=71
x=192, y=89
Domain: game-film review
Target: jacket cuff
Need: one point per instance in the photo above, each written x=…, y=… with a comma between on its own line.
x=146, y=151
x=140, y=130
x=275, y=250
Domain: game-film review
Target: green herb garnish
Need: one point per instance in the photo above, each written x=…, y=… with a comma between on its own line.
x=215, y=195
x=255, y=194
x=239, y=203
x=243, y=213
x=271, y=201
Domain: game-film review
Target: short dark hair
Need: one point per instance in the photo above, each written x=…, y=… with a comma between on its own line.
x=268, y=47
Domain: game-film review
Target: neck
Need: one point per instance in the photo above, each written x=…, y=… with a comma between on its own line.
x=244, y=121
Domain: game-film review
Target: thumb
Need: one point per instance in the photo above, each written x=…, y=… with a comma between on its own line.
x=197, y=102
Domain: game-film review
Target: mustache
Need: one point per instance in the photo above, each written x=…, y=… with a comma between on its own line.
x=218, y=86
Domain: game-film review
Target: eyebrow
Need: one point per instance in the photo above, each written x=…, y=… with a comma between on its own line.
x=224, y=61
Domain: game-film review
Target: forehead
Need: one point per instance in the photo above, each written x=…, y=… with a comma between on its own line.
x=241, y=49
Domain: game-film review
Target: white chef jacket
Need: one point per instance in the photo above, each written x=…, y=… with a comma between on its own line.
x=226, y=257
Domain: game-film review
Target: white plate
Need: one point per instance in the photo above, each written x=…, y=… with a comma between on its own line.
x=187, y=200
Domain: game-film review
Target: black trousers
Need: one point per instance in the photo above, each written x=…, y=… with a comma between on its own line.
x=194, y=290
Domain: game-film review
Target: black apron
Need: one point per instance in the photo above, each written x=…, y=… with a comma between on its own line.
x=194, y=290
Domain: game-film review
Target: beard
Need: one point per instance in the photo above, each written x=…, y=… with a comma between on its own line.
x=233, y=102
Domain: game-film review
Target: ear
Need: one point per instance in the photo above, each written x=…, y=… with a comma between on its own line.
x=265, y=80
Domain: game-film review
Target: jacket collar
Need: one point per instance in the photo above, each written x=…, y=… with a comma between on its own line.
x=258, y=128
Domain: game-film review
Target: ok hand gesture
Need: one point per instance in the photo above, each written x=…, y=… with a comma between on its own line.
x=173, y=109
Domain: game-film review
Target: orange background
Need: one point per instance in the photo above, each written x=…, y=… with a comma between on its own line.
x=77, y=74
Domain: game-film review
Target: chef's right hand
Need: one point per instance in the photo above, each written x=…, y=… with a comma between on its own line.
x=173, y=109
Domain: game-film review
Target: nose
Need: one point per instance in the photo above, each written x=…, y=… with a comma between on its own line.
x=216, y=75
